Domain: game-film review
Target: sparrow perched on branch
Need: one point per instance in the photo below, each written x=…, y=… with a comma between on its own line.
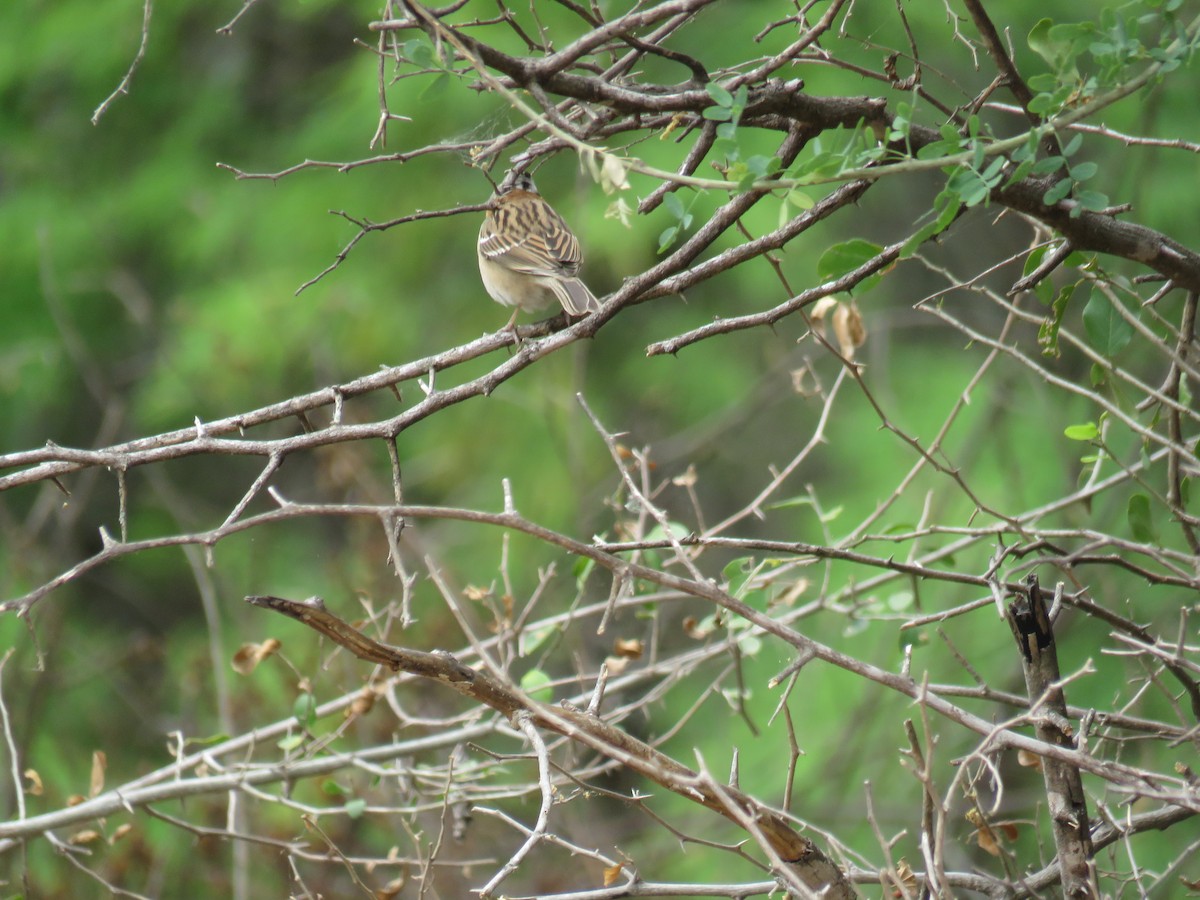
x=528, y=257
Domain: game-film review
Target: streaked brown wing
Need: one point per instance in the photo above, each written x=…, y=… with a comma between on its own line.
x=525, y=234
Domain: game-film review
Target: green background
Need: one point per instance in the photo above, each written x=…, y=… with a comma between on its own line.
x=145, y=287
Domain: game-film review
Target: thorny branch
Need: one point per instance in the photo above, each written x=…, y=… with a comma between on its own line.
x=809, y=863
x=589, y=93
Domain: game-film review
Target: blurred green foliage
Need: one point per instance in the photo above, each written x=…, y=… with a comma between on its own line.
x=144, y=287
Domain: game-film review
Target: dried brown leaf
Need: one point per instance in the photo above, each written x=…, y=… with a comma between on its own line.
x=848, y=328
x=687, y=479
x=905, y=873
x=820, y=310
x=629, y=648
x=614, y=175
x=1029, y=760
x=391, y=889
x=988, y=841
x=616, y=665
x=35, y=788
x=248, y=656
x=99, y=764
x=361, y=705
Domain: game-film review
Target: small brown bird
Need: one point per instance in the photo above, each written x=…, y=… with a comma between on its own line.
x=528, y=257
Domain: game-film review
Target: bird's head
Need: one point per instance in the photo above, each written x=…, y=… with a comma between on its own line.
x=516, y=181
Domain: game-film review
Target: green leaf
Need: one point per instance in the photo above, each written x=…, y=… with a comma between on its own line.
x=290, y=743
x=1043, y=290
x=355, y=808
x=946, y=205
x=1048, y=165
x=667, y=238
x=1043, y=82
x=678, y=531
x=740, y=98
x=1042, y=104
x=1084, y=171
x=750, y=644
x=1048, y=330
x=938, y=149
x=582, y=569
x=818, y=165
x=205, y=741
x=1088, y=431
x=802, y=200
x=912, y=637
x=533, y=638
x=1040, y=43
x=843, y=258
x=536, y=684
x=717, y=114
x=719, y=94
x=920, y=236
x=789, y=502
x=763, y=166
x=742, y=565
x=740, y=175
x=991, y=174
x=1140, y=521
x=436, y=87
x=1058, y=192
x=331, y=788
x=974, y=192
x=830, y=515
x=1093, y=200
x=726, y=148
x=737, y=573
x=1107, y=329
x=419, y=53
x=305, y=709
x=979, y=153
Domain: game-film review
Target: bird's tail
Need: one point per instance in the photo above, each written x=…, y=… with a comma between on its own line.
x=575, y=297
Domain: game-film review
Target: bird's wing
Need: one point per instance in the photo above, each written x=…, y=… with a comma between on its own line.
x=530, y=239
